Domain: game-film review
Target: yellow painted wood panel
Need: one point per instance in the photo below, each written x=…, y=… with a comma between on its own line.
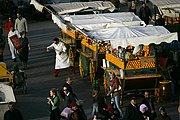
x=92, y=47
x=3, y=71
x=70, y=33
x=111, y=58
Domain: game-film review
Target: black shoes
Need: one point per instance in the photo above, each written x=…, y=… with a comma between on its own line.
x=14, y=60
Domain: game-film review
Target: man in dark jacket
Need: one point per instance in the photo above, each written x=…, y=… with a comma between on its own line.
x=149, y=102
x=12, y=113
x=69, y=98
x=67, y=84
x=145, y=13
x=132, y=111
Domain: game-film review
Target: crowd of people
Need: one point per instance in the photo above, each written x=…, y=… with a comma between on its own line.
x=71, y=109
x=108, y=107
x=104, y=107
x=16, y=38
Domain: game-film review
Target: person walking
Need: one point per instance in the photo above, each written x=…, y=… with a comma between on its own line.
x=133, y=8
x=132, y=111
x=115, y=91
x=95, y=97
x=145, y=13
x=21, y=24
x=69, y=98
x=24, y=51
x=163, y=115
x=12, y=113
x=13, y=33
x=144, y=110
x=77, y=113
x=67, y=84
x=54, y=102
x=62, y=59
x=149, y=102
x=8, y=25
x=2, y=44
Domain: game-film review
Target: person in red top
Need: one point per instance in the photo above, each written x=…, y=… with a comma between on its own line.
x=8, y=25
x=115, y=91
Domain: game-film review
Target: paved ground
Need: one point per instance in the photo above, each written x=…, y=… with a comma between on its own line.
x=40, y=74
x=33, y=105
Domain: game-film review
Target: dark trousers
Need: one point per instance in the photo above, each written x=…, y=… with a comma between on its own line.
x=71, y=69
x=56, y=72
x=55, y=114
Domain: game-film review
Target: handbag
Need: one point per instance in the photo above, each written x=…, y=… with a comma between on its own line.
x=66, y=112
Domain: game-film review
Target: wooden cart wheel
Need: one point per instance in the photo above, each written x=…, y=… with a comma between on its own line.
x=71, y=55
x=81, y=67
x=91, y=71
x=105, y=83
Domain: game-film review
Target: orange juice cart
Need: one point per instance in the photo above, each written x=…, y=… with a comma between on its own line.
x=93, y=50
x=130, y=54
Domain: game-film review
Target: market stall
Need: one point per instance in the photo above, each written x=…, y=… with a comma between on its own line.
x=81, y=24
x=6, y=96
x=170, y=8
x=131, y=55
x=74, y=29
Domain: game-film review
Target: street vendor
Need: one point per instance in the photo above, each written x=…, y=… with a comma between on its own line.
x=62, y=59
x=138, y=51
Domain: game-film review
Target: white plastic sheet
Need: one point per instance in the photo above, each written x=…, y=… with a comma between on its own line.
x=37, y=5
x=6, y=94
x=65, y=8
x=106, y=20
x=71, y=7
x=57, y=20
x=134, y=35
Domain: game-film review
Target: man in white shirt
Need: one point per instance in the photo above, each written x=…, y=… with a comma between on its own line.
x=21, y=24
x=62, y=59
x=11, y=33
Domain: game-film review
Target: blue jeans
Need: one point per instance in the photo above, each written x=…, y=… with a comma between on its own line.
x=116, y=101
x=95, y=108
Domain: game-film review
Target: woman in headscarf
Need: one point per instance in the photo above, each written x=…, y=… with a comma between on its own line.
x=143, y=108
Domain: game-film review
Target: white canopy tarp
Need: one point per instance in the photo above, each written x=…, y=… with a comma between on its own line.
x=57, y=20
x=169, y=8
x=6, y=94
x=134, y=35
x=65, y=8
x=106, y=20
x=37, y=5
